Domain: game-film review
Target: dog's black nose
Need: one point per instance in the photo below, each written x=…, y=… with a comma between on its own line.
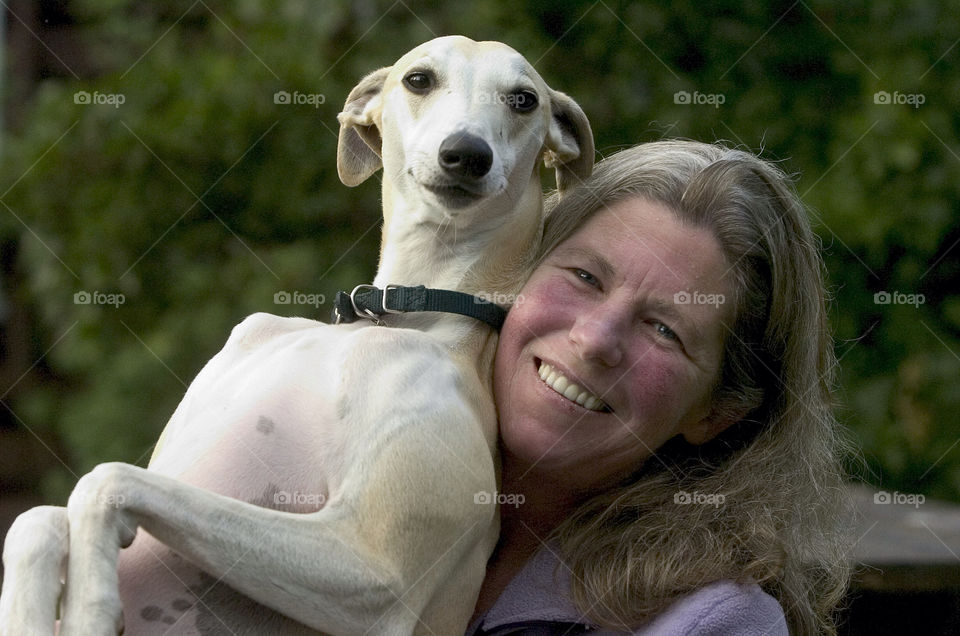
x=466, y=155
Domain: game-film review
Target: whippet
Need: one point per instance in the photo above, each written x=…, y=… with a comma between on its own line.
x=333, y=478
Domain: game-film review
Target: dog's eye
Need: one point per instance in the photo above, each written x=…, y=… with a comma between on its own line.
x=523, y=101
x=418, y=81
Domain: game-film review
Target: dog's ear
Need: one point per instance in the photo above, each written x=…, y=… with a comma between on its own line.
x=569, y=145
x=358, y=146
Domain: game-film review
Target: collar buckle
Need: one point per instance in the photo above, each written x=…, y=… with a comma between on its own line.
x=365, y=312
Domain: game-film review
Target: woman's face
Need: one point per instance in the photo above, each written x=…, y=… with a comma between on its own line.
x=605, y=312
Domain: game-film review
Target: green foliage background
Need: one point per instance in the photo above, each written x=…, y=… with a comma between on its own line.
x=199, y=197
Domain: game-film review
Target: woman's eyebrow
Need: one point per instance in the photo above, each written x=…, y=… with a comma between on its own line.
x=599, y=264
x=669, y=309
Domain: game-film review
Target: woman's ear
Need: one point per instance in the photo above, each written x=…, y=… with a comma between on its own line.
x=705, y=430
x=724, y=414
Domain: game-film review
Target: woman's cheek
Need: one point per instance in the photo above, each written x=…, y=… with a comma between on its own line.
x=656, y=383
x=546, y=308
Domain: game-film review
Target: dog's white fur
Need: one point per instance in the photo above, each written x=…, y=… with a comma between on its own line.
x=330, y=473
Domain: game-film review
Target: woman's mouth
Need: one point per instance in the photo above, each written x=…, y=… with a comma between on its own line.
x=570, y=390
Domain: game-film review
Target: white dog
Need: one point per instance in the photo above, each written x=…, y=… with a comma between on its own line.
x=334, y=478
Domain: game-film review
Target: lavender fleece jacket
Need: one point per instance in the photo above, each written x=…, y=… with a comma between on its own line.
x=537, y=603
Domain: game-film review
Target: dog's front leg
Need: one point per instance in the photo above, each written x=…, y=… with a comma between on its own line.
x=33, y=555
x=310, y=567
x=100, y=525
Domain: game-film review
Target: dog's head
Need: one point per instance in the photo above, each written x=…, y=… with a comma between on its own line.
x=455, y=122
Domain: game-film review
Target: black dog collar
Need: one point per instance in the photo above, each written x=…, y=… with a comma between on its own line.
x=367, y=301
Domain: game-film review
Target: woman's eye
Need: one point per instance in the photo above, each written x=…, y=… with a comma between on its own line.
x=586, y=277
x=666, y=332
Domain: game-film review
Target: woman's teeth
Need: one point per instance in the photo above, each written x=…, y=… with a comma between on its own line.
x=559, y=383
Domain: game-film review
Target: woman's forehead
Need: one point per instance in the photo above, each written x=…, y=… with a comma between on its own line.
x=638, y=225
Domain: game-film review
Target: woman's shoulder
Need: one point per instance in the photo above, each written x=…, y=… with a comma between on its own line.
x=540, y=595
x=722, y=607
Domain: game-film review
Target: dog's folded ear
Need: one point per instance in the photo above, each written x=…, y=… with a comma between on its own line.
x=569, y=144
x=359, y=143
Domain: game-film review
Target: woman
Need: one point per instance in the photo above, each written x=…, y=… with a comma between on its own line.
x=663, y=384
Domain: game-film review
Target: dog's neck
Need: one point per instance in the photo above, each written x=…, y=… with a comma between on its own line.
x=491, y=260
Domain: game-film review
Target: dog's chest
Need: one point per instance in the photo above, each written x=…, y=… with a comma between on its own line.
x=256, y=423
x=289, y=406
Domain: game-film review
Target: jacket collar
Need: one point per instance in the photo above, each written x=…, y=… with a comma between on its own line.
x=539, y=592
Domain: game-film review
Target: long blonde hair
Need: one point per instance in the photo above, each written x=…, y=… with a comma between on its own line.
x=777, y=471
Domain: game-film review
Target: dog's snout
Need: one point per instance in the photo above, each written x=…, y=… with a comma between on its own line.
x=466, y=155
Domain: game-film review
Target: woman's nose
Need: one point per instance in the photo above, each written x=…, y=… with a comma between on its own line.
x=597, y=337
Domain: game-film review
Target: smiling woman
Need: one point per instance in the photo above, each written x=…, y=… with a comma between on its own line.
x=664, y=386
